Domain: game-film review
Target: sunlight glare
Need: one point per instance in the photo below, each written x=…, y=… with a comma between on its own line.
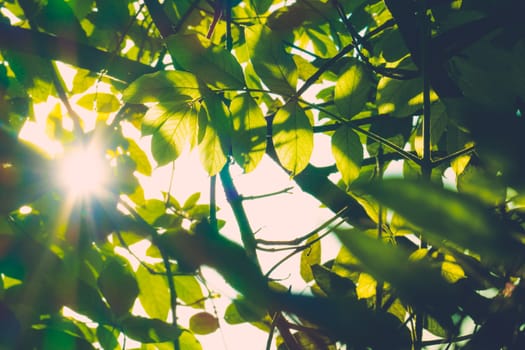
x=83, y=172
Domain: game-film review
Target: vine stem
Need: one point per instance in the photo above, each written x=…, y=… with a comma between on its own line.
x=235, y=201
x=426, y=161
x=248, y=239
x=380, y=171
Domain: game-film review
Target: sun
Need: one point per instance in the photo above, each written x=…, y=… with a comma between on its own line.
x=83, y=171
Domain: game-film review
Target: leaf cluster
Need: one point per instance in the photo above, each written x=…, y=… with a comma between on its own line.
x=430, y=91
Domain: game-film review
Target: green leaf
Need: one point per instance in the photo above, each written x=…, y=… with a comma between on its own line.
x=148, y=330
x=214, y=145
x=189, y=291
x=212, y=63
x=477, y=181
x=107, y=337
x=157, y=114
x=352, y=89
x=331, y=283
x=293, y=137
x=203, y=323
x=154, y=294
x=89, y=302
x=401, y=98
x=99, y=102
x=395, y=130
x=366, y=286
x=117, y=283
x=446, y=215
x=188, y=341
x=310, y=256
x=348, y=153
x=452, y=271
x=241, y=310
x=177, y=130
x=139, y=157
x=82, y=81
x=417, y=282
x=249, y=126
x=272, y=63
x=191, y=201
x=162, y=87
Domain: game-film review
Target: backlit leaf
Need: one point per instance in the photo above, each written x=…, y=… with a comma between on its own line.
x=249, y=126
x=213, y=63
x=139, y=157
x=400, y=98
x=178, y=127
x=154, y=294
x=272, y=63
x=352, y=89
x=189, y=291
x=366, y=286
x=162, y=86
x=188, y=341
x=452, y=271
x=310, y=256
x=99, y=102
x=348, y=153
x=293, y=137
x=211, y=149
x=117, y=283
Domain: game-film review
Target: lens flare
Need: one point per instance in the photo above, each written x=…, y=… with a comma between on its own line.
x=83, y=172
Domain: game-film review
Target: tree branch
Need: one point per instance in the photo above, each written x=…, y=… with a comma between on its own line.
x=47, y=46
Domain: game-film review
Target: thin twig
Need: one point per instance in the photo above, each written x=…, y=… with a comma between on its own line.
x=297, y=250
x=213, y=203
x=299, y=240
x=453, y=155
x=394, y=73
x=271, y=194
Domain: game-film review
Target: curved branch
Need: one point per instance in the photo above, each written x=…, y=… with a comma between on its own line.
x=48, y=46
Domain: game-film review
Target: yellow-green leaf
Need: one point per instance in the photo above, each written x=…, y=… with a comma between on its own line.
x=366, y=286
x=272, y=63
x=352, y=89
x=162, y=87
x=293, y=137
x=189, y=291
x=212, y=63
x=452, y=271
x=401, y=98
x=310, y=256
x=139, y=157
x=249, y=126
x=178, y=127
x=211, y=151
x=154, y=294
x=99, y=102
x=348, y=153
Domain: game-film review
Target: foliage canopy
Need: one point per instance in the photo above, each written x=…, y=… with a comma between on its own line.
x=434, y=86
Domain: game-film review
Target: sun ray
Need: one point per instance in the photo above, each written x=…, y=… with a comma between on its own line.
x=83, y=171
